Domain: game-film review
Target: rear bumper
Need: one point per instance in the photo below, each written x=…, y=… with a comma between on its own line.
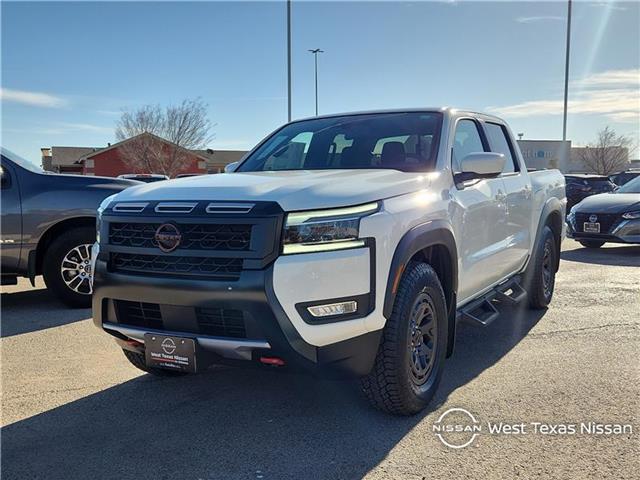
x=269, y=329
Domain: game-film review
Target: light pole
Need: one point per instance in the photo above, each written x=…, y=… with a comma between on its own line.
x=288, y=60
x=315, y=52
x=566, y=73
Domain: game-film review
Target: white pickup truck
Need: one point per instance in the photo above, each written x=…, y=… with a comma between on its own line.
x=344, y=244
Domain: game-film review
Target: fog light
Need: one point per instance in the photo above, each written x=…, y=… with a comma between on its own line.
x=341, y=308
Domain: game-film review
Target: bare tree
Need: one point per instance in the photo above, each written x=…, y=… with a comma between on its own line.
x=184, y=127
x=609, y=154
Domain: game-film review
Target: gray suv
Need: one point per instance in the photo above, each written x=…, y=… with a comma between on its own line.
x=48, y=226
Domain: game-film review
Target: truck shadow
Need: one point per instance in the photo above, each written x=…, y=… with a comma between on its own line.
x=234, y=423
x=32, y=310
x=622, y=256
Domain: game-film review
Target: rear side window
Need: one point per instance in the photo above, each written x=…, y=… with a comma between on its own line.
x=499, y=143
x=467, y=140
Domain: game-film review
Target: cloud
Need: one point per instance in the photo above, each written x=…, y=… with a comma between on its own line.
x=36, y=99
x=610, y=5
x=61, y=129
x=622, y=78
x=110, y=112
x=86, y=127
x=539, y=19
x=614, y=94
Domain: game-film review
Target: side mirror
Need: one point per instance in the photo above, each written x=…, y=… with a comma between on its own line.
x=231, y=167
x=481, y=165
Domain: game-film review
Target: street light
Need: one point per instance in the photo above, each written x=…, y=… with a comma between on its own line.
x=288, y=60
x=566, y=73
x=315, y=52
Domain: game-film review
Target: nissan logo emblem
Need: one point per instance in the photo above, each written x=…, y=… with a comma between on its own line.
x=168, y=237
x=168, y=345
x=593, y=218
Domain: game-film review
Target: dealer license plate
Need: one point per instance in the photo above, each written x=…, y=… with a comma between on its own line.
x=589, y=227
x=171, y=353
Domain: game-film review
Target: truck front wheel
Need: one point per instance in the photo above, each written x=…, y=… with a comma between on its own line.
x=67, y=266
x=410, y=358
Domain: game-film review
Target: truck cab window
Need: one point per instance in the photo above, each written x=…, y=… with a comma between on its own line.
x=499, y=143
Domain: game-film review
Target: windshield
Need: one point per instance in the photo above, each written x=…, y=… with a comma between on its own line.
x=400, y=141
x=21, y=162
x=632, y=186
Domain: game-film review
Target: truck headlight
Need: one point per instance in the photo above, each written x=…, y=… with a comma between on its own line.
x=631, y=215
x=323, y=230
x=103, y=206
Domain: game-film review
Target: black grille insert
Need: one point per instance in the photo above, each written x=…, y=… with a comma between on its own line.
x=139, y=314
x=607, y=221
x=221, y=322
x=204, y=267
x=194, y=236
x=212, y=321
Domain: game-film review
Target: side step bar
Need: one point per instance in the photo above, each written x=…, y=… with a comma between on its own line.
x=483, y=310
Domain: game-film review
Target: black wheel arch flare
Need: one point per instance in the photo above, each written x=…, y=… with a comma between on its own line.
x=421, y=238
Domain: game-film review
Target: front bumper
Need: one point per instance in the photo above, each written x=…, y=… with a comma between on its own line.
x=626, y=231
x=270, y=330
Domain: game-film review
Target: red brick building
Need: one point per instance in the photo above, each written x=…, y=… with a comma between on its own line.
x=109, y=161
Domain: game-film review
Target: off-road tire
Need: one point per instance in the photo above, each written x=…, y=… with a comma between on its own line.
x=137, y=360
x=591, y=243
x=390, y=386
x=541, y=273
x=52, y=263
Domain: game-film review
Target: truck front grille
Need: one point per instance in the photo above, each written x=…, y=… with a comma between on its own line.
x=201, y=267
x=211, y=321
x=203, y=240
x=194, y=236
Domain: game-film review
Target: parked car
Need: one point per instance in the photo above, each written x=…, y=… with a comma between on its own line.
x=185, y=175
x=623, y=177
x=48, y=226
x=144, y=177
x=343, y=245
x=581, y=186
x=607, y=217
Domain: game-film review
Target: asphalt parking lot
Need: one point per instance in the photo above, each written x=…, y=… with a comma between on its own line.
x=73, y=407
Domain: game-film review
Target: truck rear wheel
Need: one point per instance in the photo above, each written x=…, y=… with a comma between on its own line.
x=67, y=266
x=137, y=360
x=410, y=359
x=542, y=271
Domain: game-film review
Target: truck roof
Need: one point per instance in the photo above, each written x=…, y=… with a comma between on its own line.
x=446, y=110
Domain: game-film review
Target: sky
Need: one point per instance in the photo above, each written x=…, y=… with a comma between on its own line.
x=69, y=69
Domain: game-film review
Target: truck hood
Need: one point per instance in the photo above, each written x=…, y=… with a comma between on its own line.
x=293, y=190
x=609, y=203
x=81, y=182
